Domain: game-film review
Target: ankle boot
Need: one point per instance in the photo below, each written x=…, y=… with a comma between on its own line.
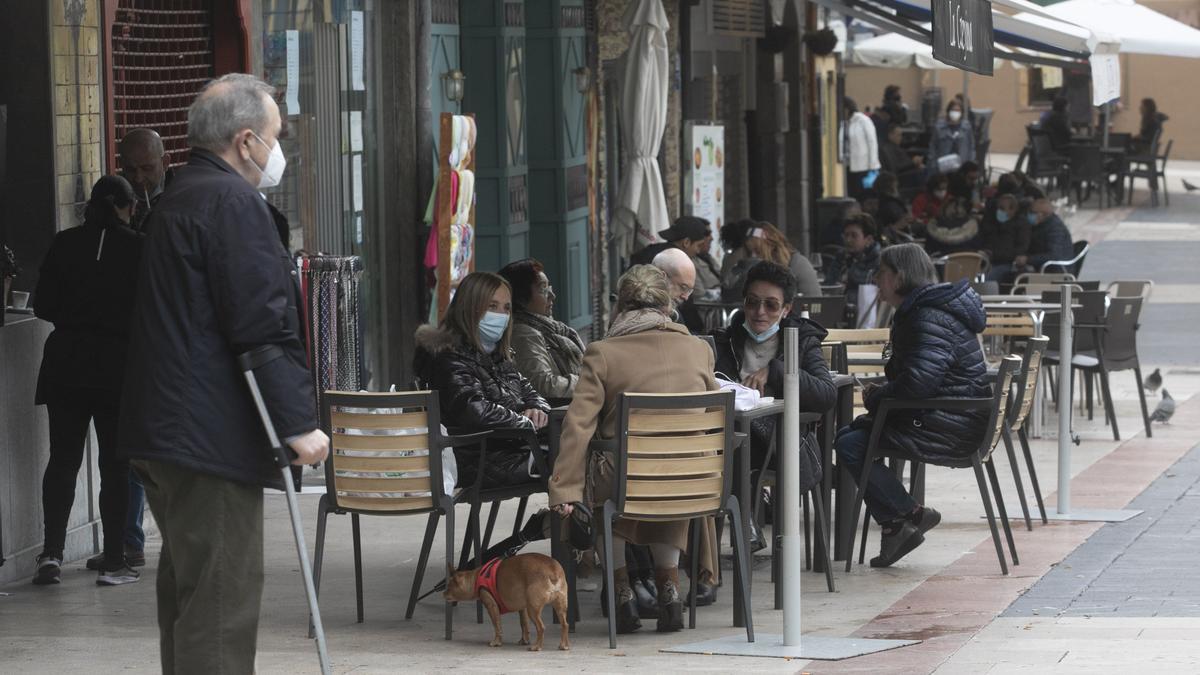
x=670, y=605
x=627, y=613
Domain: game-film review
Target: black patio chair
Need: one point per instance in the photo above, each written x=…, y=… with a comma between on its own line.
x=1116, y=350
x=997, y=407
x=1085, y=164
x=1153, y=169
x=826, y=310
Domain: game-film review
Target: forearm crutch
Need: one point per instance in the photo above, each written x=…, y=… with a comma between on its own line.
x=283, y=456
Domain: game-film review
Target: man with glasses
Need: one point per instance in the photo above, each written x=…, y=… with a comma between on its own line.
x=681, y=273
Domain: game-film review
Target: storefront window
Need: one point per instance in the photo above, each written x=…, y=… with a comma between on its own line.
x=319, y=56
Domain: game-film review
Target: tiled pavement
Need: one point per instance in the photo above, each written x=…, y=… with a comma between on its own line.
x=1145, y=566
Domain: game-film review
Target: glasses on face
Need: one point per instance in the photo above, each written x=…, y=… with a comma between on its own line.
x=545, y=292
x=770, y=304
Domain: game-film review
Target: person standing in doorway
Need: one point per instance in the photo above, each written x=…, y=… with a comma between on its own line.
x=86, y=289
x=216, y=282
x=143, y=161
x=862, y=148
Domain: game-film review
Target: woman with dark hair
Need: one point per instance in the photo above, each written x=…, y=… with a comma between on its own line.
x=468, y=360
x=548, y=352
x=764, y=241
x=934, y=352
x=750, y=352
x=952, y=142
x=86, y=289
x=893, y=105
x=927, y=205
x=1150, y=128
x=1058, y=124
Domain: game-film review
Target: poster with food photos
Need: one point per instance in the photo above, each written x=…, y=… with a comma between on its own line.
x=705, y=194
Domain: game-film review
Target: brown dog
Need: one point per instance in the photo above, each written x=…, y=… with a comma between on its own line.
x=523, y=583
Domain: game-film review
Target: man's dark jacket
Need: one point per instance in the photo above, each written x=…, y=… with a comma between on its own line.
x=935, y=353
x=215, y=282
x=1051, y=240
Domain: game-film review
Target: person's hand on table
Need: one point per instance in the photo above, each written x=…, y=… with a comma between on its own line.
x=310, y=448
x=563, y=510
x=539, y=418
x=1020, y=261
x=758, y=380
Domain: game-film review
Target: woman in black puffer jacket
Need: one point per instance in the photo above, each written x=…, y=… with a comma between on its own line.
x=468, y=360
x=935, y=353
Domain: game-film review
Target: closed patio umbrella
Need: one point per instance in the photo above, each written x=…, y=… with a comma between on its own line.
x=643, y=118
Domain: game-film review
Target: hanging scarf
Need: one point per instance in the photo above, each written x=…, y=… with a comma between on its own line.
x=566, y=347
x=637, y=321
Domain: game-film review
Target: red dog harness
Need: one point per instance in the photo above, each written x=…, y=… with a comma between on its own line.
x=488, y=576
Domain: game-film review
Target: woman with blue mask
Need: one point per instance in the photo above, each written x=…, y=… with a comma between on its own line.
x=468, y=360
x=1006, y=236
x=750, y=350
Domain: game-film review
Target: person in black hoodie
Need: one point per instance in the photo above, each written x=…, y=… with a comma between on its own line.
x=468, y=360
x=934, y=353
x=86, y=289
x=750, y=351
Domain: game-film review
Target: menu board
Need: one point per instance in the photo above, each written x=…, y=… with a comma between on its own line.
x=705, y=194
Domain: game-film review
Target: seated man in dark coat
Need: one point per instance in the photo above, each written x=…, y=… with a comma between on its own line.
x=1005, y=236
x=1049, y=240
x=689, y=233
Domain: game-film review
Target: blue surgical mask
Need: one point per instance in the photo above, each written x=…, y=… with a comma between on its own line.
x=763, y=336
x=1032, y=217
x=1001, y=216
x=491, y=328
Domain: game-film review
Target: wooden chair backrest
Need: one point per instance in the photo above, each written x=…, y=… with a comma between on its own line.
x=1031, y=365
x=674, y=455
x=963, y=265
x=861, y=341
x=1017, y=324
x=386, y=451
x=998, y=415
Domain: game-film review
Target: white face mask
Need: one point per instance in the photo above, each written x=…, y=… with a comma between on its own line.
x=955, y=115
x=276, y=163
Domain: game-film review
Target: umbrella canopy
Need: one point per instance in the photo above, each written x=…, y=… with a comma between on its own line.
x=893, y=50
x=642, y=201
x=1141, y=30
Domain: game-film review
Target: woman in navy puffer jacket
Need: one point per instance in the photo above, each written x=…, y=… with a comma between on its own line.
x=935, y=353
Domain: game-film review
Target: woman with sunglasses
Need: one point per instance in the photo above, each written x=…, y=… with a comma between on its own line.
x=750, y=350
x=548, y=352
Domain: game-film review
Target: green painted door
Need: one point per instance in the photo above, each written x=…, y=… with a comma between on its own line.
x=558, y=185
x=493, y=59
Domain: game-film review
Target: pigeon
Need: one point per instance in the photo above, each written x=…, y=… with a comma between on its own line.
x=1189, y=187
x=1166, y=408
x=1153, y=382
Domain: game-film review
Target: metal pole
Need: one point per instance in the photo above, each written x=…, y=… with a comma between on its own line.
x=294, y=511
x=790, y=481
x=1107, y=112
x=1065, y=373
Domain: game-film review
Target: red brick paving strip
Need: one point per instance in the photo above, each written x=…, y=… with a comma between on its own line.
x=950, y=607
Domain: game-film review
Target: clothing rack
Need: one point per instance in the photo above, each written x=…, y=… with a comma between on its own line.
x=332, y=316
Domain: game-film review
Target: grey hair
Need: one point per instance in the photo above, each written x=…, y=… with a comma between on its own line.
x=643, y=287
x=226, y=106
x=673, y=261
x=912, y=266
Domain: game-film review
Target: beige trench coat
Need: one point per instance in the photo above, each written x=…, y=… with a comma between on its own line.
x=664, y=360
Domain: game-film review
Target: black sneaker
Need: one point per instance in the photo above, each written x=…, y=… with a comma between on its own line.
x=132, y=558
x=49, y=570
x=899, y=539
x=925, y=518
x=118, y=577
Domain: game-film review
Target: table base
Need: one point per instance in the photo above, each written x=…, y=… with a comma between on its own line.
x=1094, y=515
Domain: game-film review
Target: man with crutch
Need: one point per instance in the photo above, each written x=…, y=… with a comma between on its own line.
x=216, y=283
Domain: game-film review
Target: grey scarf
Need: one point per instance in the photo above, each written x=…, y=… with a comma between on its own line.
x=637, y=321
x=566, y=347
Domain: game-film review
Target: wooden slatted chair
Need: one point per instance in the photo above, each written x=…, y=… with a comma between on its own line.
x=1018, y=409
x=967, y=265
x=386, y=460
x=673, y=456
x=861, y=342
x=997, y=407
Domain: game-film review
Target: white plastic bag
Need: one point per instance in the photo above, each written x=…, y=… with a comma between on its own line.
x=449, y=467
x=744, y=398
